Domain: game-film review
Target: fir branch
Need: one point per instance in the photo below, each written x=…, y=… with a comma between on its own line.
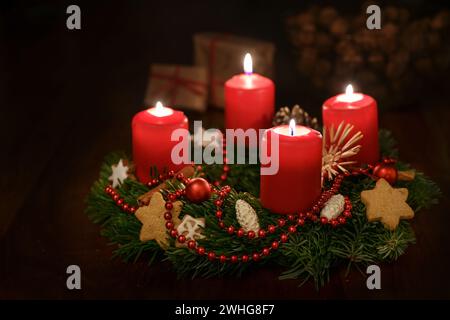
x=309, y=254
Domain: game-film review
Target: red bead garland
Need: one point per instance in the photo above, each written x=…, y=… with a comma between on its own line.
x=120, y=202
x=180, y=176
x=295, y=220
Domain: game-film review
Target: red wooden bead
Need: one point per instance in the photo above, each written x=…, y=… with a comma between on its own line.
x=201, y=250
x=230, y=230
x=292, y=229
x=223, y=258
x=284, y=237
x=173, y=233
x=119, y=201
x=211, y=256
x=347, y=214
x=125, y=206
x=261, y=233
x=226, y=168
x=291, y=217
x=180, y=176
x=300, y=221
x=281, y=222
x=181, y=238
x=334, y=223
x=234, y=259
x=244, y=258
x=167, y=216
x=314, y=218
x=341, y=220
x=191, y=244
x=219, y=214
x=169, y=205
x=218, y=203
x=116, y=197
x=266, y=251
x=256, y=256
x=172, y=197
x=223, y=177
x=132, y=209
x=271, y=229
x=275, y=245
x=240, y=233
x=323, y=220
x=169, y=225
x=251, y=234
x=221, y=224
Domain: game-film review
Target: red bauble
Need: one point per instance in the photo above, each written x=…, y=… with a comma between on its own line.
x=386, y=171
x=198, y=190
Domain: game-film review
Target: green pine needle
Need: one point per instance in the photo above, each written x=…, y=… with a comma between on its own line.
x=309, y=254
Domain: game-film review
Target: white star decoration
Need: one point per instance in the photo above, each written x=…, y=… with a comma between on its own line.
x=119, y=173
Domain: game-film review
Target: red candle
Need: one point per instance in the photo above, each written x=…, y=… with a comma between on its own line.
x=152, y=145
x=249, y=100
x=360, y=110
x=297, y=184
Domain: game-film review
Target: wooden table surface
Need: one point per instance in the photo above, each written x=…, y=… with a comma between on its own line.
x=67, y=99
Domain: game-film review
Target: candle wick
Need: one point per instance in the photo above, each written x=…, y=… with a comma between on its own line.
x=292, y=127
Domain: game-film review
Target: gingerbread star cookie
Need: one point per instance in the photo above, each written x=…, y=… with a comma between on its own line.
x=152, y=219
x=386, y=204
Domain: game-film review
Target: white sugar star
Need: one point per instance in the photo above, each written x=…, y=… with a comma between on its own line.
x=119, y=173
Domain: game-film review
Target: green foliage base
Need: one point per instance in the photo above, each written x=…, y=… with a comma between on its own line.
x=310, y=253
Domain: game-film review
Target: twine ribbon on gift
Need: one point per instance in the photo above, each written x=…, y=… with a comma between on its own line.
x=174, y=82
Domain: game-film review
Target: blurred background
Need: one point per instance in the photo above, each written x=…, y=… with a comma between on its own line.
x=67, y=98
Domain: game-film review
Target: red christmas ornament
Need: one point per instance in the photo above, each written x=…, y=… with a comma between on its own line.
x=198, y=190
x=387, y=171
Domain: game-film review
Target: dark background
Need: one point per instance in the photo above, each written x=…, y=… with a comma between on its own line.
x=67, y=98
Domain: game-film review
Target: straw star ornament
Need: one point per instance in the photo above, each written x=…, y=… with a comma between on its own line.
x=337, y=147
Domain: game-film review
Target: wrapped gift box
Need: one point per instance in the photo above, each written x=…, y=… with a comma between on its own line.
x=223, y=56
x=176, y=85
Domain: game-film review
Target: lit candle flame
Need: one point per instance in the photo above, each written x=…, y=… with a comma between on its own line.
x=248, y=64
x=349, y=96
x=159, y=107
x=159, y=110
x=349, y=90
x=292, y=127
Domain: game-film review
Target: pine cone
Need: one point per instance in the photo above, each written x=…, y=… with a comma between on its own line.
x=301, y=117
